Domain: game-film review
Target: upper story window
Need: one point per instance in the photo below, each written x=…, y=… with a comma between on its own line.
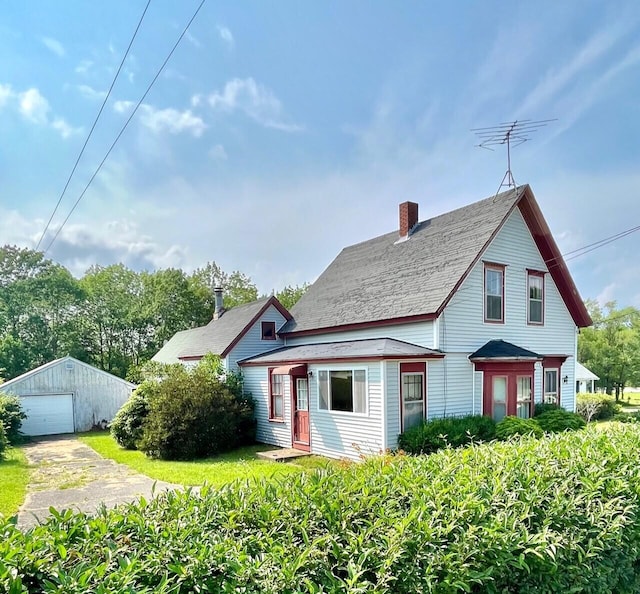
x=494, y=293
x=535, y=296
x=344, y=390
x=268, y=330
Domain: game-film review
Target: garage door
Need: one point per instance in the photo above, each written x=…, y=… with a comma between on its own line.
x=47, y=414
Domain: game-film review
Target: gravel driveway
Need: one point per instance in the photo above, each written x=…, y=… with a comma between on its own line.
x=69, y=474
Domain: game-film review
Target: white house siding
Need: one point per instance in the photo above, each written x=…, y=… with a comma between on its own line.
x=342, y=434
x=392, y=402
x=462, y=326
x=97, y=395
x=256, y=383
x=420, y=333
x=251, y=344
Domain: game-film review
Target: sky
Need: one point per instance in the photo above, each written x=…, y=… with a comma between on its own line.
x=280, y=132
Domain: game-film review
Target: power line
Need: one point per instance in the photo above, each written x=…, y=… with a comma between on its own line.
x=113, y=144
x=113, y=82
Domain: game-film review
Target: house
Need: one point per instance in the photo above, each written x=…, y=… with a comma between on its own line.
x=470, y=312
x=67, y=395
x=585, y=379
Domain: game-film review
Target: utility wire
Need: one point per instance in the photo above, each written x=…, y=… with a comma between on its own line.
x=113, y=82
x=95, y=173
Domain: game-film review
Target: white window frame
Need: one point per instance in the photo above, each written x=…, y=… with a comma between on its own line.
x=502, y=269
x=424, y=394
x=539, y=275
x=346, y=413
x=544, y=384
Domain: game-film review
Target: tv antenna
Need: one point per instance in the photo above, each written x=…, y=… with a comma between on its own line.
x=512, y=134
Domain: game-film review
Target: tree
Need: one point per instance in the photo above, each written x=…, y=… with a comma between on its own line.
x=238, y=287
x=611, y=347
x=289, y=296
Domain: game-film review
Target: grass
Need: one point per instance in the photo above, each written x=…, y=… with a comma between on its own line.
x=14, y=476
x=217, y=471
x=630, y=399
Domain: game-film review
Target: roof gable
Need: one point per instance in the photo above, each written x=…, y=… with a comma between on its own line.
x=54, y=363
x=218, y=336
x=383, y=280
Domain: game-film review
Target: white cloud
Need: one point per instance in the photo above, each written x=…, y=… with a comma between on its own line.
x=54, y=46
x=193, y=40
x=226, y=36
x=607, y=294
x=217, y=153
x=90, y=93
x=64, y=128
x=170, y=120
x=196, y=100
x=34, y=106
x=84, y=67
x=255, y=100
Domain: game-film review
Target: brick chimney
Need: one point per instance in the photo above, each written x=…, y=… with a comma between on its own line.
x=219, y=309
x=408, y=217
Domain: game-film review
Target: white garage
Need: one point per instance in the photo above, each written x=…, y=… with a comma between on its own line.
x=67, y=395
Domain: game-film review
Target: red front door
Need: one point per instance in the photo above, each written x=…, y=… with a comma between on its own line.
x=300, y=393
x=508, y=390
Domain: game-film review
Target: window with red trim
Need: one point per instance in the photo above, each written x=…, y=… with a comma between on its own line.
x=493, y=293
x=276, y=396
x=268, y=330
x=535, y=297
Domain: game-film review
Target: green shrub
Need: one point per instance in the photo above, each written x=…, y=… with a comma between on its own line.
x=126, y=427
x=193, y=414
x=510, y=426
x=4, y=442
x=454, y=432
x=543, y=407
x=11, y=416
x=559, y=514
x=596, y=407
x=627, y=417
x=555, y=421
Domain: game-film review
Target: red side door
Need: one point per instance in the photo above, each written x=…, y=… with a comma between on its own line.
x=300, y=395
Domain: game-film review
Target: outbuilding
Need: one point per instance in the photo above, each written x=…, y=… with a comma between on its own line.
x=67, y=396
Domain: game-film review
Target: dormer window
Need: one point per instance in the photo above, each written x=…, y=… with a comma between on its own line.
x=494, y=293
x=268, y=330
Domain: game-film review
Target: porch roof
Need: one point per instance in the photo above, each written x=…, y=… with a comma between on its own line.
x=348, y=350
x=503, y=350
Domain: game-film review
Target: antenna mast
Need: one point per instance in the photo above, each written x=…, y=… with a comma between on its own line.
x=512, y=134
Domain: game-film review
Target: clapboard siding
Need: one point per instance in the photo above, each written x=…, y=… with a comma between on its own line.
x=251, y=344
x=420, y=333
x=336, y=434
x=256, y=383
x=462, y=327
x=393, y=402
x=97, y=395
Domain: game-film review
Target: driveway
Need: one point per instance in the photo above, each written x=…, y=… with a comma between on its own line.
x=66, y=473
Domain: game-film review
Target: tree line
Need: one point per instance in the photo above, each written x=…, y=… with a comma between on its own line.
x=611, y=346
x=112, y=317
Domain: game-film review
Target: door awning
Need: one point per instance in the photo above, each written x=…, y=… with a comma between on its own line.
x=297, y=369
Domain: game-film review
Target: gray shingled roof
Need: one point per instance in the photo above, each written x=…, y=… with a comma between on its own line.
x=214, y=338
x=349, y=349
x=501, y=349
x=382, y=278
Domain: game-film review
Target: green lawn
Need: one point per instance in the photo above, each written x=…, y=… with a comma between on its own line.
x=14, y=476
x=219, y=470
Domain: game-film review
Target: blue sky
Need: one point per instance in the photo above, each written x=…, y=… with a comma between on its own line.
x=281, y=132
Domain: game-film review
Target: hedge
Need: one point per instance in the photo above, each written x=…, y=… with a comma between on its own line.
x=559, y=514
x=436, y=434
x=511, y=426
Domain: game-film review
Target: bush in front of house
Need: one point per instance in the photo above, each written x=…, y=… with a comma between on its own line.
x=454, y=432
x=555, y=421
x=559, y=514
x=596, y=407
x=623, y=417
x=195, y=413
x=543, y=407
x=11, y=416
x=4, y=442
x=126, y=427
x=511, y=426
